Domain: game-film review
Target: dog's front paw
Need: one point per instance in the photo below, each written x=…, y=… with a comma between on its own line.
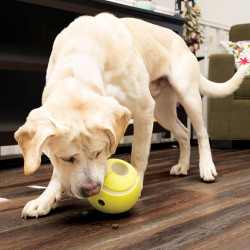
x=208, y=172
x=36, y=208
x=179, y=169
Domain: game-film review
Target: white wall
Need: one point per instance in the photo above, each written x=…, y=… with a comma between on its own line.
x=225, y=12
x=222, y=12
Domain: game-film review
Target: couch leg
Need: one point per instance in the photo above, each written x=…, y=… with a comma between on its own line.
x=221, y=143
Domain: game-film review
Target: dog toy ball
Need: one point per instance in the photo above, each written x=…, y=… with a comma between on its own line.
x=121, y=189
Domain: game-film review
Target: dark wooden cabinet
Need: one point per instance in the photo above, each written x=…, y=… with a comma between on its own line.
x=27, y=31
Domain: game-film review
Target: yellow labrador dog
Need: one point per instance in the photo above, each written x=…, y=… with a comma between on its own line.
x=101, y=70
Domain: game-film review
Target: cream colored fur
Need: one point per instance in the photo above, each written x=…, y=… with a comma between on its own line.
x=101, y=70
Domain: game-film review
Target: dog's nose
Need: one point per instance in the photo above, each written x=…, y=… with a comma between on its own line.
x=90, y=189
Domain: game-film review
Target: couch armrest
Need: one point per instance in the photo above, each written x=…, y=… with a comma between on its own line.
x=221, y=67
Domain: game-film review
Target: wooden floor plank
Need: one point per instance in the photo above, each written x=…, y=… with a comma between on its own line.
x=174, y=212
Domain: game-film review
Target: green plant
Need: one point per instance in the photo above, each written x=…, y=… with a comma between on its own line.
x=192, y=31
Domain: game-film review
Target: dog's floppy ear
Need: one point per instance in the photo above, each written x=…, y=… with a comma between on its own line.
x=32, y=136
x=115, y=125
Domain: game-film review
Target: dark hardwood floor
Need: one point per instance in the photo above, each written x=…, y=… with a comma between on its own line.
x=174, y=212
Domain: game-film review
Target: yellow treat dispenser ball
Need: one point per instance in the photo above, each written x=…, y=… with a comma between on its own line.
x=121, y=189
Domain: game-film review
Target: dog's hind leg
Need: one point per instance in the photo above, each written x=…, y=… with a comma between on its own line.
x=165, y=114
x=191, y=100
x=184, y=78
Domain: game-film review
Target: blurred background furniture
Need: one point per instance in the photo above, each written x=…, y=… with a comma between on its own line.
x=229, y=117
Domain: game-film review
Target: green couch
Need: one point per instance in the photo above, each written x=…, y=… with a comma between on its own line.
x=229, y=117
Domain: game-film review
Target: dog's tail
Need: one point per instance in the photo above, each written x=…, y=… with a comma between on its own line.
x=212, y=89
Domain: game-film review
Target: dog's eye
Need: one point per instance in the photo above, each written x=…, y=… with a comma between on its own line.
x=97, y=154
x=71, y=159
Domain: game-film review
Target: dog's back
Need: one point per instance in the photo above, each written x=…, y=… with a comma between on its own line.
x=155, y=44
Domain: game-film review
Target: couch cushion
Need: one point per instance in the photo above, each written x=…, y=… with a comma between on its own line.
x=244, y=91
x=221, y=67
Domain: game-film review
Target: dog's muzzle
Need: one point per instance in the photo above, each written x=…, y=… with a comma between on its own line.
x=90, y=189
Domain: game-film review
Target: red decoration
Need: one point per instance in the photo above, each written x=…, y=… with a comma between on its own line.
x=243, y=61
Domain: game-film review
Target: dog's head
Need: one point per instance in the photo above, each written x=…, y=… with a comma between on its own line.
x=77, y=139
